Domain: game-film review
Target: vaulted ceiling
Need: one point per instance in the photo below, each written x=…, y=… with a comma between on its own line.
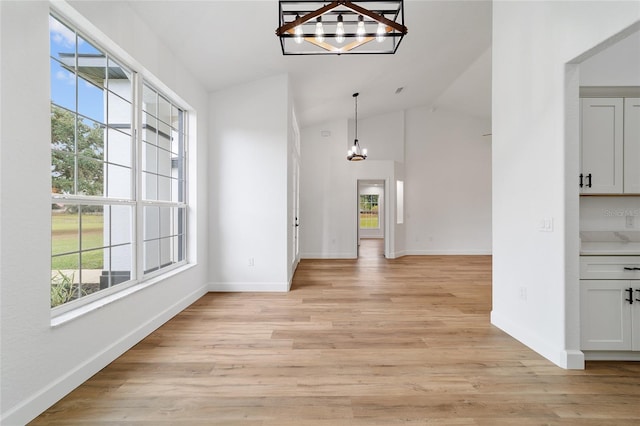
x=226, y=43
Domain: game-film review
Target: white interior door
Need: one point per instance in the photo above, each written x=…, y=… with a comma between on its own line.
x=295, y=196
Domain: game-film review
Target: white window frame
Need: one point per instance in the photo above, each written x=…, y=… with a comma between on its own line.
x=138, y=277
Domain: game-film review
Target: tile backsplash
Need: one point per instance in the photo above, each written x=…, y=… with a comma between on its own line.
x=609, y=213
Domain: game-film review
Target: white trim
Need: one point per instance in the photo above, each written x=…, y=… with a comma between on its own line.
x=137, y=174
x=397, y=254
x=453, y=252
x=400, y=253
x=30, y=407
x=83, y=309
x=574, y=359
x=612, y=355
x=268, y=287
x=609, y=91
x=567, y=359
x=328, y=256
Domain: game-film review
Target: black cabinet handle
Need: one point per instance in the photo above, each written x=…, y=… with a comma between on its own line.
x=589, y=180
x=627, y=268
x=630, y=291
x=581, y=177
x=638, y=290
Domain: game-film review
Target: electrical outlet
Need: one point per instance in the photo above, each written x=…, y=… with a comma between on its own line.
x=523, y=293
x=251, y=261
x=630, y=221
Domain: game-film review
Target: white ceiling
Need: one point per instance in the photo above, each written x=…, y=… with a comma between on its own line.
x=226, y=43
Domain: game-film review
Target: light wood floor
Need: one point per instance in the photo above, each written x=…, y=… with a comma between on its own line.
x=367, y=342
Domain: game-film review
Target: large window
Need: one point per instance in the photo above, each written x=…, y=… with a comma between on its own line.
x=117, y=172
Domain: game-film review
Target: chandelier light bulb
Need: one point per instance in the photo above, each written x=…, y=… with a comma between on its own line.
x=360, y=31
x=298, y=34
x=381, y=33
x=340, y=30
x=319, y=31
x=364, y=151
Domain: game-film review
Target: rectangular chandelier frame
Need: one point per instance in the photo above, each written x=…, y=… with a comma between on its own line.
x=340, y=27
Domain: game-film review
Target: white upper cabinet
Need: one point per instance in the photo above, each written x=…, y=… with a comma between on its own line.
x=602, y=146
x=610, y=146
x=632, y=145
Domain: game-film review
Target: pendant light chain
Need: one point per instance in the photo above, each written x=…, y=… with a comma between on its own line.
x=355, y=95
x=356, y=153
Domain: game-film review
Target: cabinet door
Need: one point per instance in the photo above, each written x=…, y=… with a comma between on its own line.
x=632, y=145
x=605, y=315
x=602, y=145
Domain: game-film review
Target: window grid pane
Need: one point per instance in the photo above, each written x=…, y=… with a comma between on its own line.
x=91, y=249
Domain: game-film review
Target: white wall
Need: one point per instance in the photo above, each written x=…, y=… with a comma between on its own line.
x=327, y=227
x=535, y=164
x=40, y=364
x=382, y=135
x=618, y=65
x=329, y=193
x=446, y=168
x=448, y=183
x=248, y=178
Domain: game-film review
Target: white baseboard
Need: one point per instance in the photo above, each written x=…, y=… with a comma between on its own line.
x=461, y=252
x=568, y=359
x=328, y=256
x=612, y=355
x=574, y=359
x=400, y=253
x=249, y=286
x=397, y=254
x=52, y=393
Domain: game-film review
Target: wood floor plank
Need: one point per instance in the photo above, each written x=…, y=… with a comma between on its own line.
x=366, y=342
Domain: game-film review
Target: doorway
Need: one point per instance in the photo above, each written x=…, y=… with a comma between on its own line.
x=371, y=220
x=606, y=72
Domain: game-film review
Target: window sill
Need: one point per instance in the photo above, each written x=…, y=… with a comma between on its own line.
x=107, y=300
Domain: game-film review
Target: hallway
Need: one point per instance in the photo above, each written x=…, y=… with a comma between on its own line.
x=371, y=248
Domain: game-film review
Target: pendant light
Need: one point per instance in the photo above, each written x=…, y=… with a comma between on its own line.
x=356, y=153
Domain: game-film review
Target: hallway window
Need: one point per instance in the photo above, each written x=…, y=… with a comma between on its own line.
x=102, y=202
x=369, y=211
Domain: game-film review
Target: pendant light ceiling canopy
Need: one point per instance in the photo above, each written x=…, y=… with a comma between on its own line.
x=340, y=27
x=356, y=153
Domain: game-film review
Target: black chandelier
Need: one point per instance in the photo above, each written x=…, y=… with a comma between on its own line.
x=356, y=153
x=340, y=27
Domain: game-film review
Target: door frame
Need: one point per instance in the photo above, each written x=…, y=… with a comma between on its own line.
x=384, y=183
